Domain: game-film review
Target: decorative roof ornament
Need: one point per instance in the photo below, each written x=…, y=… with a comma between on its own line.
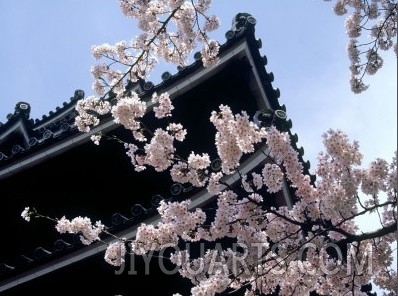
x=22, y=109
x=241, y=21
x=78, y=95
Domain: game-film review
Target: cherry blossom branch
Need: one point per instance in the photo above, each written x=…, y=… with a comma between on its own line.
x=366, y=236
x=383, y=34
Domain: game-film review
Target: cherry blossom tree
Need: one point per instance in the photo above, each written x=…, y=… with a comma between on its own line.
x=377, y=20
x=312, y=245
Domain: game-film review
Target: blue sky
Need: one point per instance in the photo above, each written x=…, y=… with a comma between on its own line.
x=45, y=55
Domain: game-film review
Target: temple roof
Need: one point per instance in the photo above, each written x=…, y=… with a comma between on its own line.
x=26, y=145
x=22, y=136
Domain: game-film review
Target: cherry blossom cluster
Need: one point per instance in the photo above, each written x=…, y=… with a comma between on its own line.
x=128, y=111
x=26, y=214
x=176, y=221
x=115, y=253
x=89, y=110
x=171, y=31
x=379, y=19
x=83, y=226
x=88, y=232
x=236, y=135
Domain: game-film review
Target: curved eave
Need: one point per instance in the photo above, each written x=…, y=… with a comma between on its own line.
x=242, y=46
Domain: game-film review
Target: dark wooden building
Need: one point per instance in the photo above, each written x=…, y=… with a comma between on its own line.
x=48, y=164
